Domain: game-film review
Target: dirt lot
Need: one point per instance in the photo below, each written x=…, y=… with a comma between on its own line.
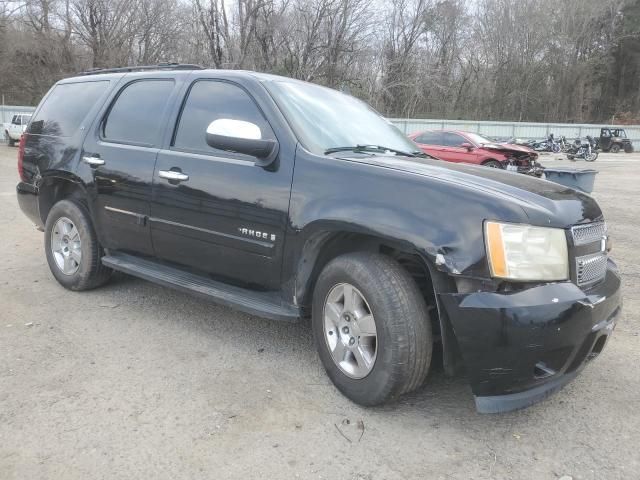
x=138, y=381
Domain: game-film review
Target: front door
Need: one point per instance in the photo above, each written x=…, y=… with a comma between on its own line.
x=605, y=139
x=216, y=211
x=121, y=152
x=453, y=150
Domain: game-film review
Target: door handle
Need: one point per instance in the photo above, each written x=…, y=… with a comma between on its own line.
x=173, y=176
x=93, y=161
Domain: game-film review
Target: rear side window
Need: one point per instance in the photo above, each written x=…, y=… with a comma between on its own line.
x=137, y=114
x=208, y=101
x=66, y=107
x=430, y=138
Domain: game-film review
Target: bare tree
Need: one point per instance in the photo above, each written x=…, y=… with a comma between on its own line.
x=560, y=60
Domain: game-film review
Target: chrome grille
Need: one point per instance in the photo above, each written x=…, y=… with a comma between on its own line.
x=588, y=233
x=591, y=268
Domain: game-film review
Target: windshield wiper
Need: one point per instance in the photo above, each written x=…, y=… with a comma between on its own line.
x=371, y=148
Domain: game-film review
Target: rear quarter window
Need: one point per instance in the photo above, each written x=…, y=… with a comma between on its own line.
x=66, y=107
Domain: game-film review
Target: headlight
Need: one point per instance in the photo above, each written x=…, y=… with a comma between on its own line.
x=523, y=252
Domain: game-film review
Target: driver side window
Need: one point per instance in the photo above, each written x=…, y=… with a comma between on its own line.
x=211, y=100
x=452, y=140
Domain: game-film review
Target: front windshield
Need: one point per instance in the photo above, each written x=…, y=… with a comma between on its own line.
x=323, y=118
x=475, y=138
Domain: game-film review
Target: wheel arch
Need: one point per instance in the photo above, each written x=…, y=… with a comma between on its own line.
x=325, y=245
x=56, y=187
x=490, y=159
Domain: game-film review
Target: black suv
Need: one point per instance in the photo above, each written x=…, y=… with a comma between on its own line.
x=287, y=200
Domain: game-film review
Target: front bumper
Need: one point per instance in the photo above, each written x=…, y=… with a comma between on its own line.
x=520, y=347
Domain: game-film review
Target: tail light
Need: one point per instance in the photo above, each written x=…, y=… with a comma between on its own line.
x=23, y=140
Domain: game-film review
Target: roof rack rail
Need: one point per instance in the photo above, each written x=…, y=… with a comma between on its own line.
x=141, y=68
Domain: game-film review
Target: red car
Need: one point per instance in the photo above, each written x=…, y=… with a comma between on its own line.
x=468, y=147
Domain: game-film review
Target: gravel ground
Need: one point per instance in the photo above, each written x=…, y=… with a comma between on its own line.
x=138, y=381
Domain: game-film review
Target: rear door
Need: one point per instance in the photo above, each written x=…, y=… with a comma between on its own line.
x=430, y=143
x=227, y=216
x=121, y=151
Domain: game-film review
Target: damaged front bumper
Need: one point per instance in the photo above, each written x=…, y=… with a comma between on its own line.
x=520, y=347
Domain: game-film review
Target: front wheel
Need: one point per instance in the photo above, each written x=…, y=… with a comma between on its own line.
x=492, y=164
x=8, y=140
x=555, y=148
x=591, y=157
x=371, y=328
x=71, y=245
x=628, y=149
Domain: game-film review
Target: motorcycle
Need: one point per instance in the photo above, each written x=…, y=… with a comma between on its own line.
x=585, y=150
x=548, y=145
x=564, y=144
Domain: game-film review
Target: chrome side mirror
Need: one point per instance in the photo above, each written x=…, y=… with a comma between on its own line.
x=241, y=137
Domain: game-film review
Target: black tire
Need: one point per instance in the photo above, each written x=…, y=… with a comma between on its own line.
x=615, y=148
x=10, y=141
x=404, y=337
x=90, y=272
x=492, y=164
x=628, y=148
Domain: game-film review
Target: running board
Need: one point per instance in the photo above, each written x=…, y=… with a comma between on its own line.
x=261, y=304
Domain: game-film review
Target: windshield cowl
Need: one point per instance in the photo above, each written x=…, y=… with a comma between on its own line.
x=373, y=149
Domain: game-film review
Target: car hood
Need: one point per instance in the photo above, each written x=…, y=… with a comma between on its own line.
x=507, y=147
x=544, y=202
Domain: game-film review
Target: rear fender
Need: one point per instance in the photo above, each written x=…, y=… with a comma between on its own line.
x=56, y=186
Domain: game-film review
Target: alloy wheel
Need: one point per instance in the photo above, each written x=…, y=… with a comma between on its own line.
x=350, y=331
x=66, y=246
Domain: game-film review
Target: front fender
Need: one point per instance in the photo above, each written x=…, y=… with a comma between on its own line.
x=440, y=220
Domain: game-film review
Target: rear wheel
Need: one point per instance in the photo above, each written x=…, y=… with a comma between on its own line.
x=72, y=248
x=615, y=148
x=492, y=164
x=371, y=328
